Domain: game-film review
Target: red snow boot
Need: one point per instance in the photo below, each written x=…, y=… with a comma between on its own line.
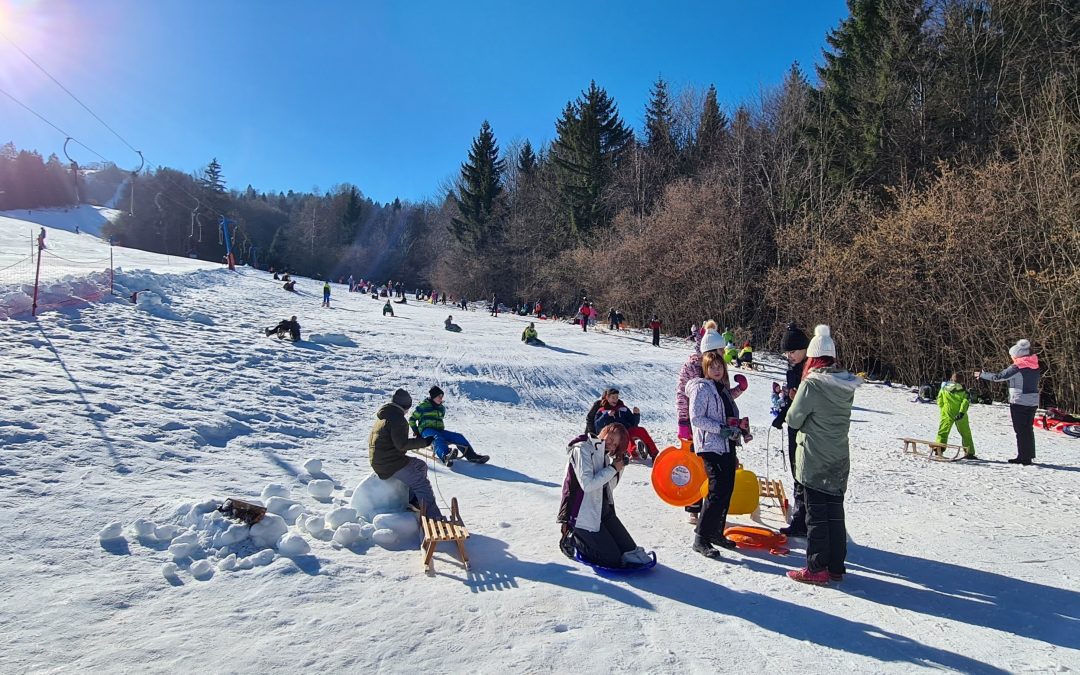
x=807, y=577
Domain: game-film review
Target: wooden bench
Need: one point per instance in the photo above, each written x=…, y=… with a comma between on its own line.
x=774, y=489
x=937, y=451
x=436, y=531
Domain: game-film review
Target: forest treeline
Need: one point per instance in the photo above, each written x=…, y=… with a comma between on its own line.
x=920, y=194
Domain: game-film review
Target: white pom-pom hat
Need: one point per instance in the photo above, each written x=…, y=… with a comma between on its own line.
x=711, y=340
x=1021, y=348
x=822, y=343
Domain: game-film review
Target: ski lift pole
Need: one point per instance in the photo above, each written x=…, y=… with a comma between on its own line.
x=112, y=270
x=37, y=278
x=224, y=222
x=134, y=174
x=74, y=170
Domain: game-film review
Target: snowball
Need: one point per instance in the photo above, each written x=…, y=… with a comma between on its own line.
x=235, y=533
x=404, y=525
x=279, y=505
x=293, y=513
x=366, y=530
x=384, y=537
x=374, y=496
x=349, y=533
x=274, y=490
x=185, y=546
x=111, y=531
x=206, y=506
x=143, y=528
x=170, y=571
x=167, y=532
x=313, y=466
x=315, y=524
x=293, y=545
x=267, y=531
x=202, y=570
x=320, y=489
x=228, y=563
x=340, y=516
x=263, y=557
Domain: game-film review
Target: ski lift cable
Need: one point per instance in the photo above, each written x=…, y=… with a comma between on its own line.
x=46, y=121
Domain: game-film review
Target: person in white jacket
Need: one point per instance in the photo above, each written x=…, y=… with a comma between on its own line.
x=587, y=510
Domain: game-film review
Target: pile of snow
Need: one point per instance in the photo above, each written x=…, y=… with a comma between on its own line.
x=374, y=496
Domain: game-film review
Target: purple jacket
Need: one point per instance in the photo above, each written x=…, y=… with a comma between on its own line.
x=690, y=370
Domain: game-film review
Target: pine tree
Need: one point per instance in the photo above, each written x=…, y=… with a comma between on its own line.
x=711, y=132
x=591, y=140
x=659, y=125
x=478, y=192
x=212, y=179
x=527, y=160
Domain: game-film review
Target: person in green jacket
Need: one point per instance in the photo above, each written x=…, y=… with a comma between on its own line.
x=388, y=446
x=953, y=401
x=427, y=422
x=528, y=336
x=387, y=309
x=729, y=337
x=821, y=411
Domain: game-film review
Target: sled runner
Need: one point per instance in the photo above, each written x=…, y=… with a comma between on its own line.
x=939, y=452
x=436, y=531
x=600, y=569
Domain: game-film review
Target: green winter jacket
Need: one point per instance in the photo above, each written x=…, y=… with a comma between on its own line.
x=528, y=334
x=389, y=441
x=953, y=399
x=821, y=412
x=427, y=416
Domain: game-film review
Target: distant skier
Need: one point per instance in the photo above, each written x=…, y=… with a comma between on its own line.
x=427, y=422
x=388, y=445
x=953, y=401
x=326, y=294
x=286, y=328
x=655, y=324
x=450, y=325
x=388, y=309
x=529, y=336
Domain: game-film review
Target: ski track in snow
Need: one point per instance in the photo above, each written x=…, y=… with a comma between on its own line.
x=114, y=411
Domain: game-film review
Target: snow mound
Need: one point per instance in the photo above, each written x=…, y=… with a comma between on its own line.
x=385, y=538
x=335, y=339
x=313, y=466
x=293, y=545
x=274, y=490
x=374, y=496
x=320, y=489
x=403, y=525
x=350, y=533
x=111, y=531
x=268, y=530
x=339, y=516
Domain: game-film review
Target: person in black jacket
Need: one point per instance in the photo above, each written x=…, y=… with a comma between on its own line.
x=794, y=346
x=286, y=327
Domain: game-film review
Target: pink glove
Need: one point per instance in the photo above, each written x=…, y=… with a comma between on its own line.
x=685, y=431
x=740, y=380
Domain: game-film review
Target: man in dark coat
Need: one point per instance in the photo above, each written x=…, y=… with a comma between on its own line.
x=388, y=446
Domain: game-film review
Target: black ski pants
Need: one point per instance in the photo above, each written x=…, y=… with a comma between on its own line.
x=720, y=468
x=826, y=533
x=1023, y=419
x=607, y=546
x=798, y=513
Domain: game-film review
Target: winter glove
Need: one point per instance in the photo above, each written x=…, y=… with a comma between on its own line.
x=740, y=380
x=958, y=417
x=685, y=431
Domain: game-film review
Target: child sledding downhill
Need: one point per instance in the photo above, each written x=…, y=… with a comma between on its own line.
x=388, y=309
x=427, y=422
x=953, y=401
x=610, y=409
x=528, y=336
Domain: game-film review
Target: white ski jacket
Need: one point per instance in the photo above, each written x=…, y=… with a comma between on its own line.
x=595, y=474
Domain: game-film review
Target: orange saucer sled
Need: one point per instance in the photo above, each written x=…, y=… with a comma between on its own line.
x=757, y=537
x=678, y=475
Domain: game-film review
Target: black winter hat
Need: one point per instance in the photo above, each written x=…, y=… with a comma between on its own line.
x=402, y=398
x=794, y=339
x=434, y=392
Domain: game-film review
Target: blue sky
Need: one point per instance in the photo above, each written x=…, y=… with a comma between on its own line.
x=385, y=95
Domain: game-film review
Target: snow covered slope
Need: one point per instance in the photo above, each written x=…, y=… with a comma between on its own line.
x=87, y=217
x=117, y=412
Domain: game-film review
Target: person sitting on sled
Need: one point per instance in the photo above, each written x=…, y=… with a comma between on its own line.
x=427, y=422
x=610, y=409
x=953, y=401
x=388, y=447
x=450, y=325
x=388, y=309
x=746, y=356
x=528, y=336
x=286, y=327
x=290, y=285
x=587, y=508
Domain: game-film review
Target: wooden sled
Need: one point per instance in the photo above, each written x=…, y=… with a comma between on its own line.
x=939, y=452
x=774, y=489
x=436, y=531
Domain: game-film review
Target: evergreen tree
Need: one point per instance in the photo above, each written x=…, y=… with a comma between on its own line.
x=478, y=192
x=659, y=124
x=591, y=139
x=212, y=179
x=711, y=132
x=527, y=160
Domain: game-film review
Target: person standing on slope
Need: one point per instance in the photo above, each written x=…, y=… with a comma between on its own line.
x=388, y=446
x=655, y=325
x=821, y=412
x=793, y=345
x=326, y=294
x=1023, y=380
x=953, y=401
x=427, y=422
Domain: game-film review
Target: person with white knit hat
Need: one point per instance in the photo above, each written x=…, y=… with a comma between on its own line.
x=1023, y=381
x=821, y=412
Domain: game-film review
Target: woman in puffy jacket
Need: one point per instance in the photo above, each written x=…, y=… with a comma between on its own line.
x=714, y=418
x=1023, y=380
x=587, y=509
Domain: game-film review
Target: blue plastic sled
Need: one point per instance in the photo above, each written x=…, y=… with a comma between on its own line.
x=600, y=569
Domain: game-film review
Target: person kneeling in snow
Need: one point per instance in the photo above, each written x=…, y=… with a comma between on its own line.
x=427, y=422
x=529, y=336
x=387, y=447
x=587, y=509
x=287, y=327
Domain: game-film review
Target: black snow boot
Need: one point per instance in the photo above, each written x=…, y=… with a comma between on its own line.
x=704, y=548
x=473, y=456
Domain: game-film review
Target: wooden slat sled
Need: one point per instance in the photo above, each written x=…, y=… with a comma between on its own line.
x=436, y=531
x=939, y=452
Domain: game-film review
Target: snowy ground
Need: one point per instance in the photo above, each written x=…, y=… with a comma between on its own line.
x=114, y=412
